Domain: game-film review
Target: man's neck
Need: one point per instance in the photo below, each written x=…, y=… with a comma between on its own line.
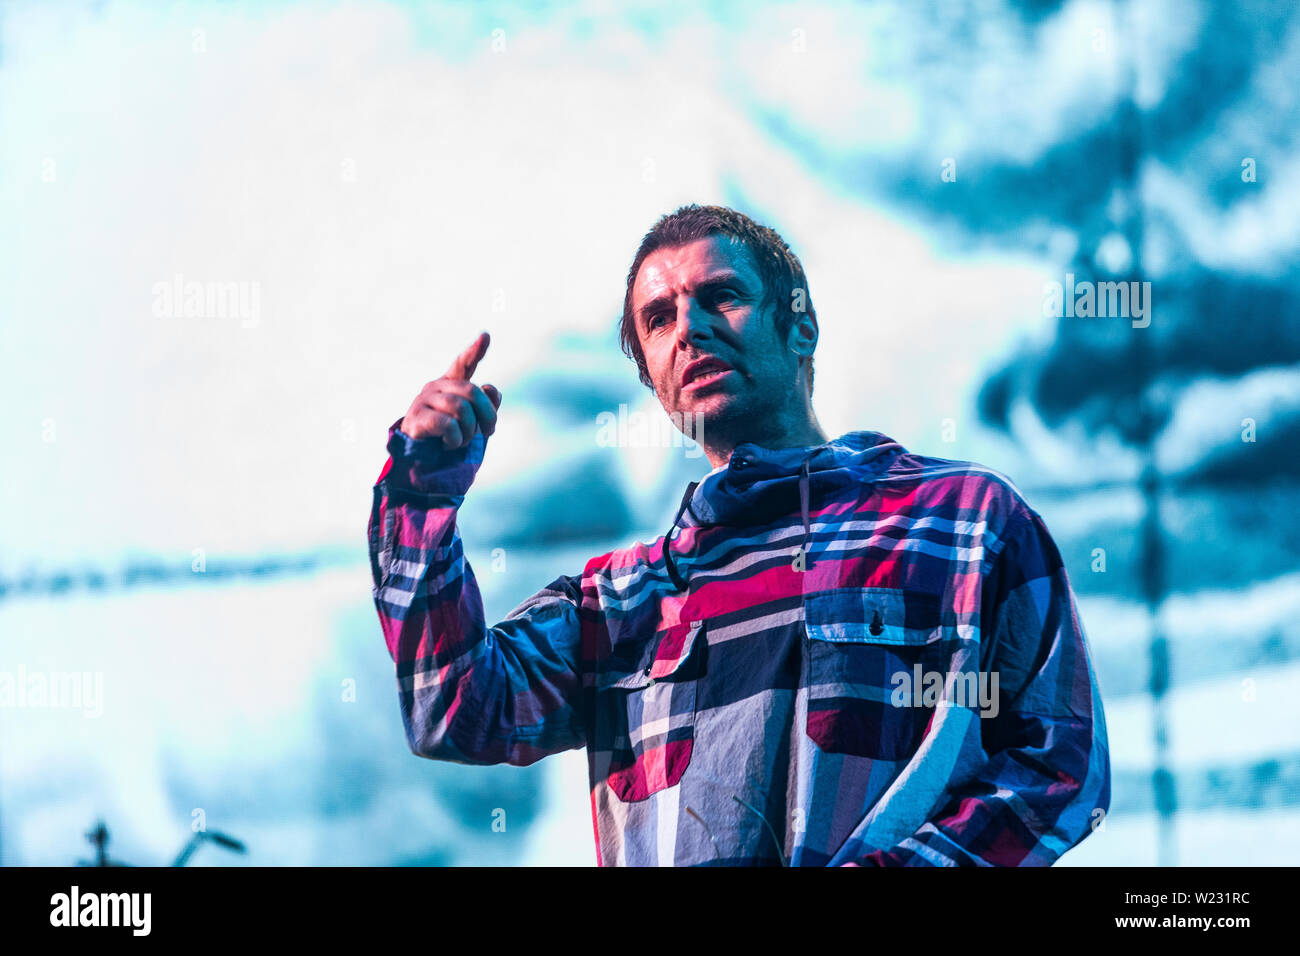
x=809, y=433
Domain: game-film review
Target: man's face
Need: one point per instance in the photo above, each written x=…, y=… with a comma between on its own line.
x=709, y=346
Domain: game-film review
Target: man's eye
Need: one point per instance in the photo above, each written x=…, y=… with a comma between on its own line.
x=654, y=319
x=724, y=295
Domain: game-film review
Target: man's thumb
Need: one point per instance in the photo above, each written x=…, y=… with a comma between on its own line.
x=493, y=395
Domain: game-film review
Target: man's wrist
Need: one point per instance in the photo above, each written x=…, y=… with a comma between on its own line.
x=428, y=466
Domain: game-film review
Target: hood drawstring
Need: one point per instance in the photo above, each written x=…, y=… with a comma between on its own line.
x=668, y=554
x=803, y=507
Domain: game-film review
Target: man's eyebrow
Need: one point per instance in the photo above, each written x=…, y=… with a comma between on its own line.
x=714, y=279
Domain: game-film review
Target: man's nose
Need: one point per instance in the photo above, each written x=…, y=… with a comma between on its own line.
x=694, y=323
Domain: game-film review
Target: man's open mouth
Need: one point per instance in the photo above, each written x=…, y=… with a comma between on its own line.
x=704, y=371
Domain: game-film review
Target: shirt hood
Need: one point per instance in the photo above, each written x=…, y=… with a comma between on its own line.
x=758, y=484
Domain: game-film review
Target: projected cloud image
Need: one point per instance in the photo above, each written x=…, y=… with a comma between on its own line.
x=239, y=237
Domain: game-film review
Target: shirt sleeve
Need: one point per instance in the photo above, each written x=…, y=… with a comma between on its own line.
x=469, y=693
x=1046, y=783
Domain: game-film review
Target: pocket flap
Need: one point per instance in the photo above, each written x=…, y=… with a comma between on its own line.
x=660, y=659
x=874, y=616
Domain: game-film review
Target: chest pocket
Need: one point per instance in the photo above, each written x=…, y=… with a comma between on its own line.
x=866, y=649
x=647, y=711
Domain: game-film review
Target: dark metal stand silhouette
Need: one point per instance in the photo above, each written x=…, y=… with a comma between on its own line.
x=98, y=838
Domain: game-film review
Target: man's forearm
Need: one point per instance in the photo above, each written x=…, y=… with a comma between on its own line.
x=469, y=693
x=429, y=605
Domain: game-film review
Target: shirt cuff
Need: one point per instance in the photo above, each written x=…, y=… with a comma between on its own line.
x=427, y=466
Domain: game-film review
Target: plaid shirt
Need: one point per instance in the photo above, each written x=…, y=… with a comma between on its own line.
x=850, y=654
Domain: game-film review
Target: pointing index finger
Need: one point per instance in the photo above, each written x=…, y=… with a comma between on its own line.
x=464, y=365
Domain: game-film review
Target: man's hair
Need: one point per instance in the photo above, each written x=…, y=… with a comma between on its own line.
x=778, y=267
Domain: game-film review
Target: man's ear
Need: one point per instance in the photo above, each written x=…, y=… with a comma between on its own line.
x=802, y=339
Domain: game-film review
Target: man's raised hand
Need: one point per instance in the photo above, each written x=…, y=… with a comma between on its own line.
x=452, y=407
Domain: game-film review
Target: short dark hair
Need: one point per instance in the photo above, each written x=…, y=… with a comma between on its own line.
x=778, y=267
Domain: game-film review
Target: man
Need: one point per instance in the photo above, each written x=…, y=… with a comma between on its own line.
x=841, y=652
